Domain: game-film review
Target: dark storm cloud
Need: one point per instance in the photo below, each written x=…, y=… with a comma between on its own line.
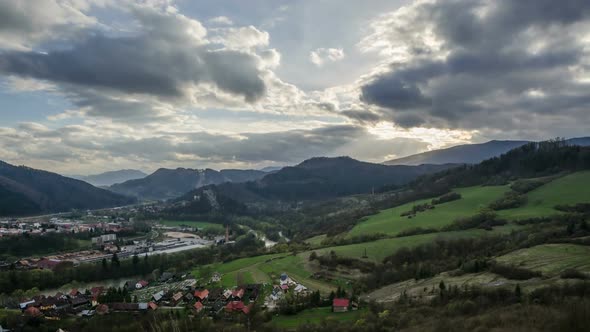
x=139, y=65
x=503, y=60
x=285, y=147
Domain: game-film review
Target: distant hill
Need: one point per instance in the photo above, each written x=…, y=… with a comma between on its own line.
x=270, y=169
x=26, y=191
x=470, y=153
x=321, y=178
x=109, y=178
x=171, y=183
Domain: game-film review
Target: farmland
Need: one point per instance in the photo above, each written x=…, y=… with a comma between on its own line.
x=390, y=222
x=550, y=259
x=195, y=224
x=570, y=189
x=315, y=316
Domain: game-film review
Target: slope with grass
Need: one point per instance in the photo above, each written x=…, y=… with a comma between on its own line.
x=550, y=259
x=377, y=250
x=390, y=222
x=264, y=269
x=195, y=224
x=315, y=316
x=570, y=189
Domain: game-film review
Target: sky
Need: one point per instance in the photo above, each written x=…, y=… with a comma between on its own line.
x=88, y=86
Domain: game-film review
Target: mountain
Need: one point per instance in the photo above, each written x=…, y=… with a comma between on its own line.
x=270, y=169
x=109, y=178
x=26, y=191
x=470, y=153
x=460, y=154
x=320, y=178
x=171, y=183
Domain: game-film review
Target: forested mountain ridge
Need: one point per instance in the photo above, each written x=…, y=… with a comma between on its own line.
x=471, y=153
x=112, y=177
x=25, y=191
x=320, y=178
x=171, y=183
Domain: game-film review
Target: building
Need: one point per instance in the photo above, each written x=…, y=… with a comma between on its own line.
x=105, y=238
x=340, y=305
x=201, y=295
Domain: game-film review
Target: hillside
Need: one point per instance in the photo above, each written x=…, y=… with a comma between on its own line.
x=110, y=178
x=171, y=183
x=470, y=153
x=323, y=178
x=25, y=191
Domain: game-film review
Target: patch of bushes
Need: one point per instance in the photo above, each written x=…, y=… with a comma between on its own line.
x=449, y=197
x=573, y=274
x=513, y=272
x=577, y=208
x=332, y=260
x=510, y=200
x=416, y=231
x=485, y=220
x=417, y=208
x=524, y=186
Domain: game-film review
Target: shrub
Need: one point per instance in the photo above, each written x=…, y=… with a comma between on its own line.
x=573, y=274
x=448, y=197
x=510, y=200
x=514, y=272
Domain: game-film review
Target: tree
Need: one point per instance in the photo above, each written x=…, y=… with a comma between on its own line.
x=442, y=286
x=517, y=292
x=313, y=256
x=135, y=260
x=115, y=260
x=104, y=264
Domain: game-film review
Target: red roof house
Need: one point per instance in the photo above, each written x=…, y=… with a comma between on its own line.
x=340, y=305
x=33, y=312
x=153, y=305
x=239, y=293
x=198, y=306
x=202, y=294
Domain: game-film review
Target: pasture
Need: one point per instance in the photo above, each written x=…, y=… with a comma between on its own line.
x=390, y=222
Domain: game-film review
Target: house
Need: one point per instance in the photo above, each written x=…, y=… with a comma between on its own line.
x=80, y=301
x=74, y=292
x=216, y=277
x=158, y=296
x=102, y=309
x=26, y=304
x=87, y=313
x=130, y=285
x=237, y=293
x=166, y=276
x=141, y=284
x=152, y=305
x=177, y=297
x=215, y=294
x=237, y=306
x=96, y=291
x=300, y=289
x=286, y=280
x=198, y=306
x=33, y=312
x=201, y=295
x=189, y=297
x=340, y=305
x=227, y=294
x=143, y=306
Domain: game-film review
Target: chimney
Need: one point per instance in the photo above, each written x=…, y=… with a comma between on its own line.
x=226, y=233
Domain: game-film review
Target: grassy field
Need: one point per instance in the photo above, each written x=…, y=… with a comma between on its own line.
x=264, y=269
x=377, y=250
x=570, y=189
x=197, y=224
x=390, y=222
x=550, y=259
x=316, y=240
x=315, y=316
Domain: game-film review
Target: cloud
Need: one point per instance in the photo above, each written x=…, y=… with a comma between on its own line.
x=321, y=56
x=25, y=23
x=83, y=144
x=482, y=65
x=221, y=20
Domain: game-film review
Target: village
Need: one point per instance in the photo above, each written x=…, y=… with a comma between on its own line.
x=171, y=291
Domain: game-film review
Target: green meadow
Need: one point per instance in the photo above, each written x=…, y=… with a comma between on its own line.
x=550, y=259
x=390, y=222
x=570, y=189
